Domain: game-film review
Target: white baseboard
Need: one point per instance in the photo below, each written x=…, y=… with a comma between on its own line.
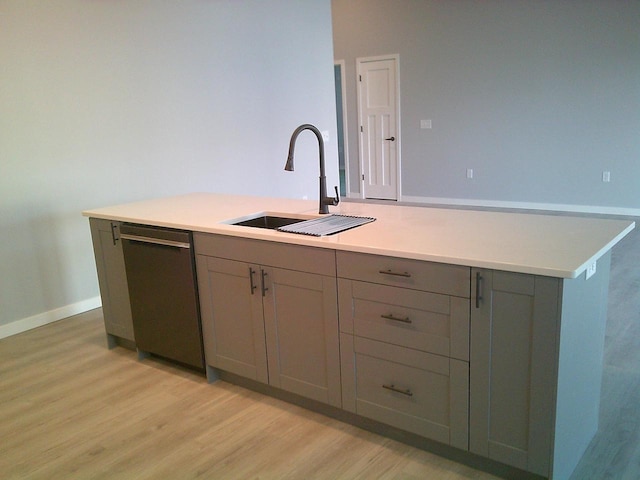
x=50, y=316
x=551, y=207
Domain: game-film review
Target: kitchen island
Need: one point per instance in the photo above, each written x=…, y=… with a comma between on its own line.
x=478, y=330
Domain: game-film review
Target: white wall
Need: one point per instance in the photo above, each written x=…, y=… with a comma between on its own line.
x=108, y=102
x=537, y=97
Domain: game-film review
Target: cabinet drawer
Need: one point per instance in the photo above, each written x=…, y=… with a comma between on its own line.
x=402, y=272
x=418, y=392
x=424, y=321
x=273, y=254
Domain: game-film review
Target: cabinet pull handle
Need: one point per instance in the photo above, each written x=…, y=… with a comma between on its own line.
x=478, y=289
x=253, y=286
x=155, y=241
x=395, y=274
x=391, y=316
x=114, y=233
x=264, y=284
x=393, y=388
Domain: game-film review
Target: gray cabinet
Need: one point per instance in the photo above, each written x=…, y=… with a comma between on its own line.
x=405, y=344
x=269, y=312
x=112, y=279
x=232, y=318
x=514, y=328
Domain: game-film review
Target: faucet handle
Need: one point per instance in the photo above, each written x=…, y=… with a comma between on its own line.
x=336, y=200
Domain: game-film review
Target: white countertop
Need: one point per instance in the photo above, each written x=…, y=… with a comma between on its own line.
x=551, y=245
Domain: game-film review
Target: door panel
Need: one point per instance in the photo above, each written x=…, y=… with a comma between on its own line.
x=512, y=377
x=232, y=326
x=301, y=323
x=379, y=124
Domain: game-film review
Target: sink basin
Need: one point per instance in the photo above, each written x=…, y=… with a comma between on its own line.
x=317, y=226
x=268, y=221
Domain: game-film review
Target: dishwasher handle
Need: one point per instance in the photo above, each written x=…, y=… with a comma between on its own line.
x=156, y=241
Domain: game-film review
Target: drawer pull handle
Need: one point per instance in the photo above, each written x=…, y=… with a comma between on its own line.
x=395, y=274
x=397, y=319
x=393, y=388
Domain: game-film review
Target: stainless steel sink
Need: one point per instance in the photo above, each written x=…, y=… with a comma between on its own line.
x=268, y=221
x=317, y=226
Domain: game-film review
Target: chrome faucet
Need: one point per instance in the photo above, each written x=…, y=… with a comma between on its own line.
x=325, y=200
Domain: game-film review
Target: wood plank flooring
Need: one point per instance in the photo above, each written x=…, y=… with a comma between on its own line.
x=72, y=409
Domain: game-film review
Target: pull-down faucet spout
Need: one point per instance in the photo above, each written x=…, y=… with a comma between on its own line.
x=325, y=200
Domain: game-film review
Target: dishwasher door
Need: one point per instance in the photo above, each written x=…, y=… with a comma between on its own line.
x=163, y=292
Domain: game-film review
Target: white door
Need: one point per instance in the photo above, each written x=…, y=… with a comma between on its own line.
x=379, y=127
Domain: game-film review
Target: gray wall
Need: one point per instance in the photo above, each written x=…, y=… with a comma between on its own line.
x=538, y=97
x=108, y=102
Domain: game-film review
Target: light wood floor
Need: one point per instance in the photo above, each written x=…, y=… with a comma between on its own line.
x=71, y=408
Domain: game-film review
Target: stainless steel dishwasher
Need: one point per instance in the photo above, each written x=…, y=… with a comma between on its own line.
x=160, y=268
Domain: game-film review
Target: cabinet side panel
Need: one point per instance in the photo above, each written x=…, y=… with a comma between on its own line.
x=582, y=332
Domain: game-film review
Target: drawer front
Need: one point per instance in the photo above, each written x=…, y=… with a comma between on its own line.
x=401, y=272
x=273, y=254
x=409, y=318
x=418, y=392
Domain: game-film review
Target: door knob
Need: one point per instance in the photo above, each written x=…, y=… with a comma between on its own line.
x=392, y=139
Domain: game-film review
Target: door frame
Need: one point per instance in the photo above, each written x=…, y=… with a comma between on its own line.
x=359, y=62
x=345, y=123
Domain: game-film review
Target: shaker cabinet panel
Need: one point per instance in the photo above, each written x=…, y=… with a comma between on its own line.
x=301, y=322
x=405, y=273
x=418, y=392
x=411, y=318
x=272, y=254
x=275, y=325
x=232, y=326
x=112, y=278
x=512, y=377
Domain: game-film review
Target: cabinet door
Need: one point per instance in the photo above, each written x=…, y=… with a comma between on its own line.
x=514, y=320
x=112, y=278
x=231, y=309
x=301, y=322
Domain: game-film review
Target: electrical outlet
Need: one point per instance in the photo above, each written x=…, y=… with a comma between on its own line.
x=425, y=124
x=606, y=176
x=591, y=270
x=469, y=172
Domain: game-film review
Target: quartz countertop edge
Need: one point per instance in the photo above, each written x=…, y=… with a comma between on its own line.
x=551, y=245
